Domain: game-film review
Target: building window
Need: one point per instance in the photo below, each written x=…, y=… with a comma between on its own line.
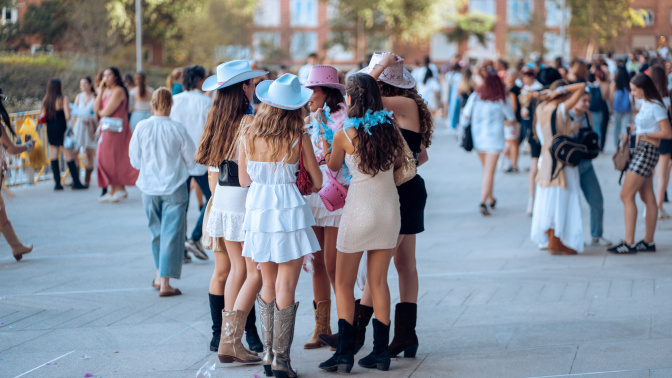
x=483, y=6
x=519, y=12
x=649, y=17
x=304, y=12
x=518, y=44
x=440, y=48
x=267, y=13
x=554, y=13
x=303, y=44
x=553, y=45
x=265, y=44
x=479, y=51
x=9, y=15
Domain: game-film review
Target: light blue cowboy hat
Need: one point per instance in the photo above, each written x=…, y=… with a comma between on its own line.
x=230, y=73
x=285, y=93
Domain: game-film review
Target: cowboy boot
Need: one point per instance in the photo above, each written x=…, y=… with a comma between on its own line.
x=74, y=172
x=56, y=170
x=251, y=335
x=87, y=176
x=216, y=307
x=344, y=357
x=231, y=342
x=405, y=340
x=283, y=335
x=18, y=249
x=379, y=358
x=322, y=311
x=364, y=314
x=332, y=340
x=266, y=314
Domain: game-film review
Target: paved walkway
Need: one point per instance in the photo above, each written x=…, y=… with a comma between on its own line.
x=491, y=304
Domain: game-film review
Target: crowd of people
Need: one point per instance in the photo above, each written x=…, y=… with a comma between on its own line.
x=315, y=169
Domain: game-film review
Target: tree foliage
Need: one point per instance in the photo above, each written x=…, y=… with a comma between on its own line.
x=600, y=22
x=48, y=20
x=474, y=24
x=89, y=25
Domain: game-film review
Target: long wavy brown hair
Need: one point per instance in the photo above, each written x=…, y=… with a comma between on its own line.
x=378, y=150
x=54, y=94
x=279, y=128
x=426, y=119
x=222, y=125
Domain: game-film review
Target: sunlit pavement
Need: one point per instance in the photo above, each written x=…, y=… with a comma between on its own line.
x=491, y=303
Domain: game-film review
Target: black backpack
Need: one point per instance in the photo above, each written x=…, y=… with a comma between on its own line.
x=595, y=98
x=570, y=151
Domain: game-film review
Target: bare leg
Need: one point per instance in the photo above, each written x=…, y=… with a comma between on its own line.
x=236, y=275
x=330, y=235
x=248, y=292
x=533, y=175
x=220, y=274
x=631, y=185
x=377, y=265
x=404, y=261
x=269, y=274
x=321, y=285
x=489, y=167
x=90, y=157
x=347, y=265
x=649, y=198
x=663, y=178
x=285, y=284
x=514, y=153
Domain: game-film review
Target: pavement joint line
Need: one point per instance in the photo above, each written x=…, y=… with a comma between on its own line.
x=72, y=256
x=48, y=362
x=77, y=292
x=179, y=332
x=601, y=372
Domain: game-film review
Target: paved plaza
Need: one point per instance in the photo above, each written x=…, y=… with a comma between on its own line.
x=491, y=303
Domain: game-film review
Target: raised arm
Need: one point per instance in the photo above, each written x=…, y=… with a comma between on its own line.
x=576, y=91
x=116, y=98
x=389, y=59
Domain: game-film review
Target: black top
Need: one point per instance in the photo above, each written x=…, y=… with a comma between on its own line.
x=516, y=91
x=414, y=141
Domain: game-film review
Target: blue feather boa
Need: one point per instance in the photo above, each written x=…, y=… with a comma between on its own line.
x=370, y=120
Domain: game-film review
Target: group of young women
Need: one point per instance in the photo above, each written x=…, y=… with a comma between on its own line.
x=263, y=228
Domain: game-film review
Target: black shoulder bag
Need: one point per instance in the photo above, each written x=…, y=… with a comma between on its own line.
x=228, y=169
x=564, y=149
x=467, y=137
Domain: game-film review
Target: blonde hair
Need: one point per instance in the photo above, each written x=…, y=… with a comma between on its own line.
x=174, y=77
x=162, y=99
x=279, y=128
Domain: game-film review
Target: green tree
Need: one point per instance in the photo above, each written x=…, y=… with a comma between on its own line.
x=89, y=23
x=467, y=25
x=599, y=23
x=48, y=20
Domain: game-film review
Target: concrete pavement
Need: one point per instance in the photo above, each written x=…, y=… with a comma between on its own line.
x=491, y=303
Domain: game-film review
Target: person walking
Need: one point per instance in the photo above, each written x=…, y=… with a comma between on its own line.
x=664, y=164
x=590, y=186
x=86, y=124
x=55, y=107
x=488, y=111
x=651, y=126
x=8, y=147
x=321, y=124
x=174, y=81
x=278, y=221
x=141, y=95
x=113, y=165
x=556, y=218
x=512, y=132
x=191, y=108
x=235, y=281
x=621, y=101
x=369, y=143
x=163, y=153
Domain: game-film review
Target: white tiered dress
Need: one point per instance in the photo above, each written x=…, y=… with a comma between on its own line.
x=227, y=212
x=278, y=221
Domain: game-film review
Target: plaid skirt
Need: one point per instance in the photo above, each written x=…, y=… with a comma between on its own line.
x=643, y=159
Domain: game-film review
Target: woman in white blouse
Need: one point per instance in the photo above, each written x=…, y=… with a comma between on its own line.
x=652, y=125
x=488, y=111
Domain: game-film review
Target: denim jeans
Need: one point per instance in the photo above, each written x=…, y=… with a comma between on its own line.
x=621, y=120
x=167, y=217
x=597, y=126
x=202, y=182
x=593, y=193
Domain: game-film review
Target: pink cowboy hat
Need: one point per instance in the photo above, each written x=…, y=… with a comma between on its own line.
x=324, y=76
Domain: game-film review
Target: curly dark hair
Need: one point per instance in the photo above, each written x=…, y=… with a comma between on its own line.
x=426, y=119
x=376, y=151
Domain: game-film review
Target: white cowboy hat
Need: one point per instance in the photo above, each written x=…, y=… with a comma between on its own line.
x=396, y=75
x=285, y=93
x=230, y=73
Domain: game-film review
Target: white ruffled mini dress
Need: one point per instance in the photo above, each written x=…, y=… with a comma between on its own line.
x=227, y=212
x=278, y=221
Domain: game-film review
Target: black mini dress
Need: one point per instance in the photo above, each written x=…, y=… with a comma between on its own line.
x=56, y=129
x=412, y=194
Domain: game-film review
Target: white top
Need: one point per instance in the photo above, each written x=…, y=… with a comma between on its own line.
x=191, y=109
x=487, y=121
x=163, y=152
x=650, y=113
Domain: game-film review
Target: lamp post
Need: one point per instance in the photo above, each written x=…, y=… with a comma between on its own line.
x=138, y=36
x=563, y=28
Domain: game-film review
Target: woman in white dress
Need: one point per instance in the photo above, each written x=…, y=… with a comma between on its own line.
x=556, y=219
x=489, y=111
x=278, y=221
x=85, y=123
x=235, y=277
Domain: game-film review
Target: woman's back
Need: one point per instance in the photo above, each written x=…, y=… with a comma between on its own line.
x=265, y=171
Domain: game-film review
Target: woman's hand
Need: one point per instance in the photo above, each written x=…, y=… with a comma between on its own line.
x=389, y=59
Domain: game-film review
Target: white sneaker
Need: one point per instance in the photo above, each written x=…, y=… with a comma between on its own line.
x=107, y=198
x=119, y=195
x=601, y=242
x=662, y=214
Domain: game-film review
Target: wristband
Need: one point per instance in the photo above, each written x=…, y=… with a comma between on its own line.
x=28, y=147
x=561, y=90
x=378, y=64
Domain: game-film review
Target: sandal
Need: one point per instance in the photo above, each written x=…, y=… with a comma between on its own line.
x=170, y=293
x=484, y=210
x=154, y=285
x=493, y=203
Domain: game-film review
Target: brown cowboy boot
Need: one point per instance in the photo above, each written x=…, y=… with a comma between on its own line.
x=18, y=249
x=322, y=317
x=266, y=315
x=231, y=341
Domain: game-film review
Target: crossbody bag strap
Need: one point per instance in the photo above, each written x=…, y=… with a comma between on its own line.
x=235, y=140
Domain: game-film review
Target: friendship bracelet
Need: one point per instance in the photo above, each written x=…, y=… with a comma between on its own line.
x=378, y=64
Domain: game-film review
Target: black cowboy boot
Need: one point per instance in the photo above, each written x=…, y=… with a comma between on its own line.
x=405, y=340
x=379, y=358
x=344, y=357
x=216, y=307
x=251, y=335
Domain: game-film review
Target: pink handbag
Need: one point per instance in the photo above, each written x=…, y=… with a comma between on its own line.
x=333, y=194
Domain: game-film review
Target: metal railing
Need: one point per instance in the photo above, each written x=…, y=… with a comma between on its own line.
x=19, y=170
